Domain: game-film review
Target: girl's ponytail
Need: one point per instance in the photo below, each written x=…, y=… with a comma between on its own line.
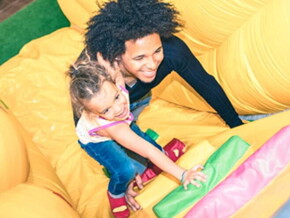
x=83, y=59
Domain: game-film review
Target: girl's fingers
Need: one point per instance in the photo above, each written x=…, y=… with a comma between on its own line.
x=192, y=179
x=198, y=167
x=199, y=176
x=193, y=182
x=185, y=184
x=193, y=175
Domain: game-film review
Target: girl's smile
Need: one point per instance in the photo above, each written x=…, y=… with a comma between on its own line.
x=110, y=103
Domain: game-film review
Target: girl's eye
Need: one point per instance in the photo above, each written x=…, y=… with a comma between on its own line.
x=106, y=111
x=117, y=97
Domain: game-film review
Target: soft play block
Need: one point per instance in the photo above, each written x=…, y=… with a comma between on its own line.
x=216, y=167
x=248, y=180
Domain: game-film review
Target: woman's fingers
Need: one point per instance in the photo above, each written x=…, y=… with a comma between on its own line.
x=130, y=198
x=139, y=181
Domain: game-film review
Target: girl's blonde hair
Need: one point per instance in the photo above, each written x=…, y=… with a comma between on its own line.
x=87, y=77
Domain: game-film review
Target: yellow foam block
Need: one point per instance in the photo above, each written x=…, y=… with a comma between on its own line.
x=270, y=199
x=164, y=183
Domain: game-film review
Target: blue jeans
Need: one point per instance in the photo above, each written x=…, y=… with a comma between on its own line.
x=138, y=106
x=122, y=165
x=258, y=116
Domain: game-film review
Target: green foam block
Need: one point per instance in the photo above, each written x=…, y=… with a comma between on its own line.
x=216, y=168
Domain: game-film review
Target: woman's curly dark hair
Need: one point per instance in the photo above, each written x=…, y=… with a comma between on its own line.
x=123, y=20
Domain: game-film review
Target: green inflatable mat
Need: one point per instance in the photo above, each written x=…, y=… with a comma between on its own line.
x=216, y=168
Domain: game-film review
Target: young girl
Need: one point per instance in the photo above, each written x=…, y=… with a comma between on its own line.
x=105, y=129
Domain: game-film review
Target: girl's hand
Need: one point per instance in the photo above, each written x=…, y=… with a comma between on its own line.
x=190, y=176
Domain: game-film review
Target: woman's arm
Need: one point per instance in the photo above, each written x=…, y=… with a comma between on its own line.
x=179, y=58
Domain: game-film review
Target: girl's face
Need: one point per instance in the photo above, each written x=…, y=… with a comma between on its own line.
x=110, y=103
x=142, y=57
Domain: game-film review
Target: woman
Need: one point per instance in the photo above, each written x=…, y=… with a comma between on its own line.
x=138, y=37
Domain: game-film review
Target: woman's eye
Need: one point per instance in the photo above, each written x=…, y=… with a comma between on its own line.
x=158, y=50
x=117, y=97
x=138, y=58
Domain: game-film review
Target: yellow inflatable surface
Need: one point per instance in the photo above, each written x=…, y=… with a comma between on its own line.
x=244, y=44
x=29, y=185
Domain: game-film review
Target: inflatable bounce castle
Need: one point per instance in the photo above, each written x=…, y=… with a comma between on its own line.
x=244, y=44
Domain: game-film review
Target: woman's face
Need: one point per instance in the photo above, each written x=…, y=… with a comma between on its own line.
x=142, y=57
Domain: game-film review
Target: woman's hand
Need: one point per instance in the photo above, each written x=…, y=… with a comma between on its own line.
x=131, y=194
x=190, y=176
x=113, y=70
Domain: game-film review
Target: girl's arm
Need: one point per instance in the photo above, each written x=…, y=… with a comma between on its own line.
x=123, y=134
